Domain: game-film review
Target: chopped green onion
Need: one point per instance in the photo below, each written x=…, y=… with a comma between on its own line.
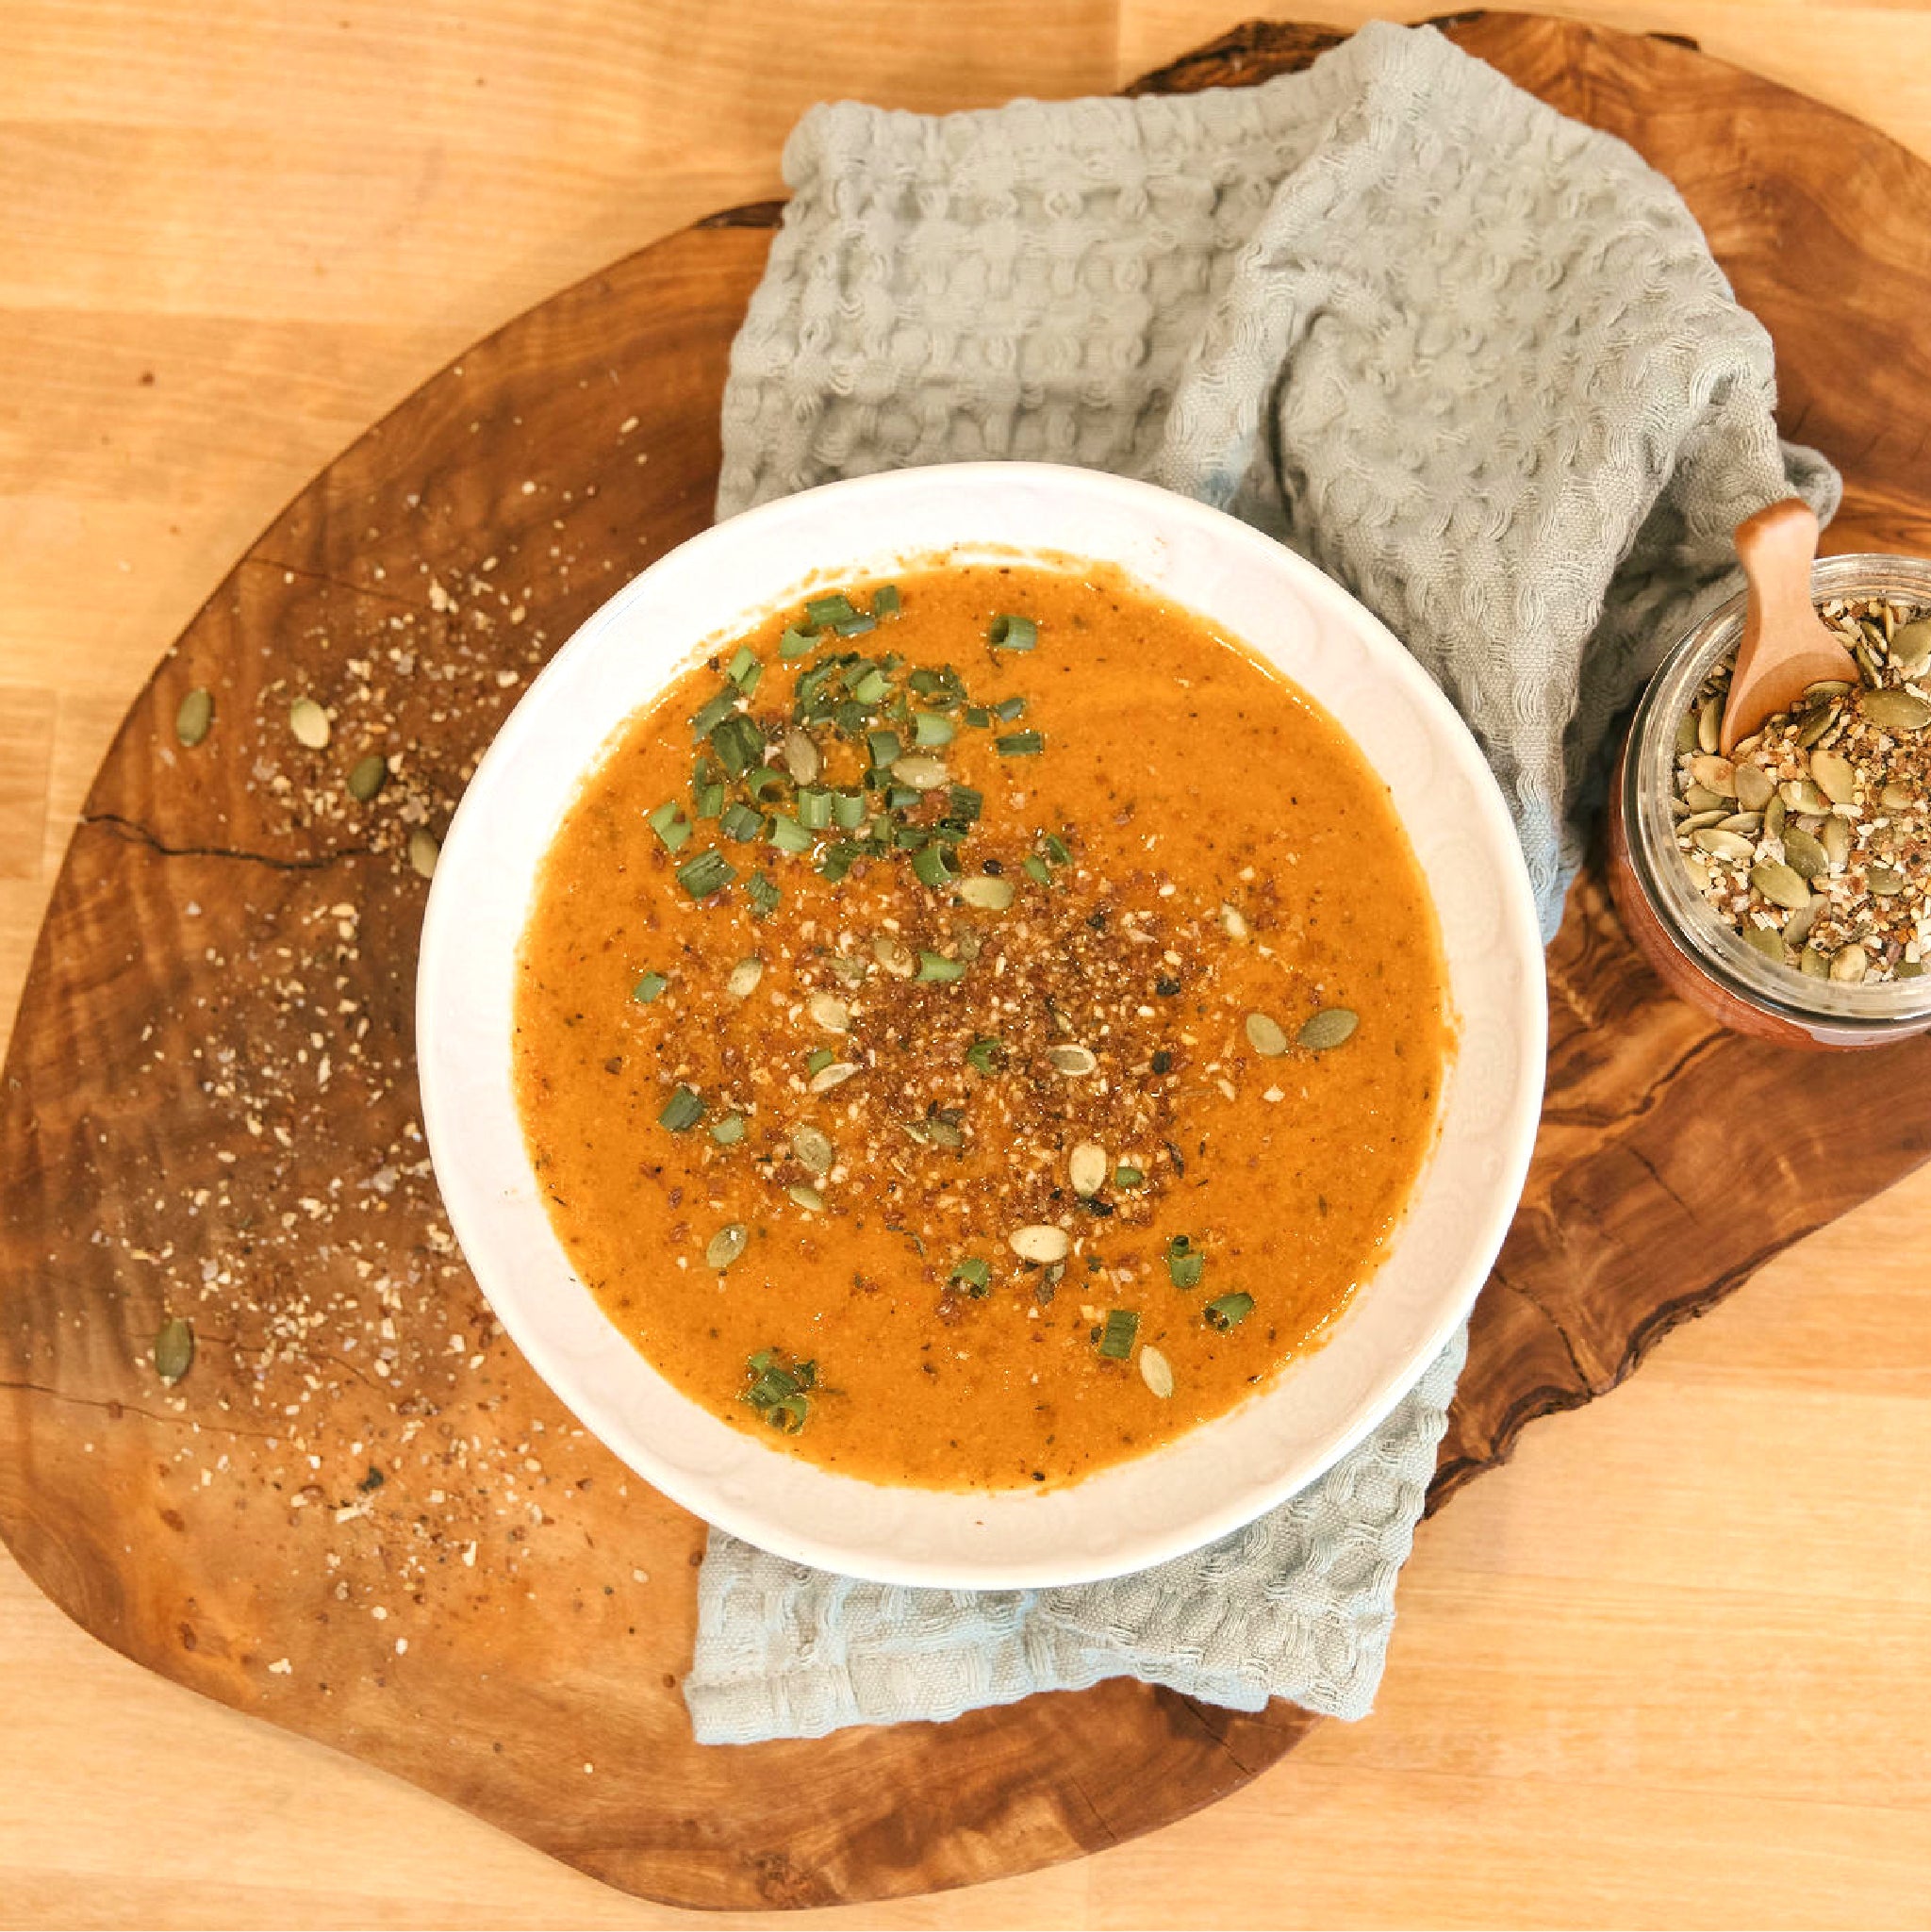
x=856, y=625
x=1007, y=709
x=1057, y=850
x=984, y=1055
x=1013, y=634
x=713, y=713
x=929, y=728
x=964, y=803
x=1229, y=1311
x=729, y=1131
x=744, y=670
x=848, y=810
x=815, y=809
x=884, y=601
x=778, y=1392
x=899, y=795
x=1020, y=744
x=788, y=1417
x=682, y=1111
x=838, y=860
x=1116, y=1338
x=1184, y=1263
x=884, y=746
x=709, y=871
x=978, y=717
x=788, y=836
x=648, y=988
x=796, y=643
x=767, y=782
x=849, y=717
x=819, y=1059
x=1035, y=869
x=975, y=1274
x=933, y=864
x=741, y=822
x=819, y=611
x=870, y=687
x=708, y=799
x=739, y=745
x=1129, y=1177
x=764, y=895
x=669, y=822
x=935, y=965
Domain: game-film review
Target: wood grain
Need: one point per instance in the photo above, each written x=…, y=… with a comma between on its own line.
x=1710, y=1840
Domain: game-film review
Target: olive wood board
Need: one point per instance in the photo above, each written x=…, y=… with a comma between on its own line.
x=360, y=1516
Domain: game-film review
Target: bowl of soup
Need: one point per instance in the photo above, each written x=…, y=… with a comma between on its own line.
x=981, y=1026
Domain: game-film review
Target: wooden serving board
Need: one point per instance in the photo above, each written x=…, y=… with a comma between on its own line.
x=360, y=1516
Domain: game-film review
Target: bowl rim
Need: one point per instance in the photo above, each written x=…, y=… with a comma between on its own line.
x=1510, y=1144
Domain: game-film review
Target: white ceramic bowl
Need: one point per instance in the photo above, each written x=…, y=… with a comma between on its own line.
x=1224, y=1474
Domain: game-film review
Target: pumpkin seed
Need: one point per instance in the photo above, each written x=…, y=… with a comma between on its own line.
x=1813, y=965
x=895, y=957
x=1910, y=646
x=1766, y=941
x=1726, y=844
x=1835, y=777
x=368, y=777
x=1156, y=1371
x=1800, y=795
x=809, y=1199
x=1815, y=728
x=1086, y=1168
x=744, y=977
x=920, y=770
x=174, y=1350
x=1742, y=822
x=802, y=756
x=1043, y=1244
x=1331, y=1027
x=1909, y=968
x=726, y=1244
x=1686, y=734
x=1698, y=871
x=1699, y=822
x=1781, y=884
x=828, y=1011
x=1709, y=724
x=1894, y=797
x=826, y=1077
x=1897, y=710
x=1754, y=788
x=1849, y=966
x=812, y=1148
x=1073, y=1062
x=988, y=893
x=1699, y=798
x=1797, y=926
x=1716, y=775
x=1823, y=690
x=1836, y=837
x=423, y=851
x=1773, y=815
x=1883, y=881
x=1266, y=1036
x=309, y=722
x=1804, y=855
x=192, y=719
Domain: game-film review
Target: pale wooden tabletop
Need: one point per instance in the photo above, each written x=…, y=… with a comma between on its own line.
x=1672, y=1666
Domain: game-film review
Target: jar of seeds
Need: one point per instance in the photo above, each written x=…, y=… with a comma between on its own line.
x=1786, y=890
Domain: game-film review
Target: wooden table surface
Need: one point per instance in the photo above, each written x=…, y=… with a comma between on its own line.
x=1673, y=1665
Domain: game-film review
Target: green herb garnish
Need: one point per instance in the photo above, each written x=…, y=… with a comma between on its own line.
x=1116, y=1338
x=669, y=822
x=764, y=897
x=713, y=711
x=813, y=806
x=1020, y=744
x=729, y=1131
x=797, y=643
x=744, y=670
x=974, y=1274
x=933, y=864
x=1009, y=633
x=682, y=1111
x=1229, y=1311
x=819, y=1059
x=778, y=1394
x=985, y=1055
x=709, y=871
x=788, y=836
x=648, y=988
x=935, y=965
x=1035, y=868
x=834, y=609
x=1185, y=1263
x=884, y=601
x=741, y=822
x=1129, y=1177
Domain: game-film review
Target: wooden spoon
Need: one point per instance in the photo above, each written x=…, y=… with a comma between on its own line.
x=1786, y=648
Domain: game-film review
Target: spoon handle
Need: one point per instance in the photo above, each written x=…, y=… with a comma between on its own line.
x=1776, y=548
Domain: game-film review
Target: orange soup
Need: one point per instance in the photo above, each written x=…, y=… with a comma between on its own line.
x=979, y=1027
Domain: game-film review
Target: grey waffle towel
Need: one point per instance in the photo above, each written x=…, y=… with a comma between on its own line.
x=1473, y=359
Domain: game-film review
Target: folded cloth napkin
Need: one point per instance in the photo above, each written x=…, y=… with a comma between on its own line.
x=1471, y=358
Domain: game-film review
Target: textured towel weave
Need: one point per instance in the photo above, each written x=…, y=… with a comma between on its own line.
x=1471, y=358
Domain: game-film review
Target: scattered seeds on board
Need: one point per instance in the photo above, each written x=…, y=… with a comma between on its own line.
x=309, y=722
x=1813, y=841
x=423, y=851
x=1331, y=1027
x=368, y=777
x=197, y=713
x=174, y=1350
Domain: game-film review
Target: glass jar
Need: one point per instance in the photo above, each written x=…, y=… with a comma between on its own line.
x=1700, y=958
